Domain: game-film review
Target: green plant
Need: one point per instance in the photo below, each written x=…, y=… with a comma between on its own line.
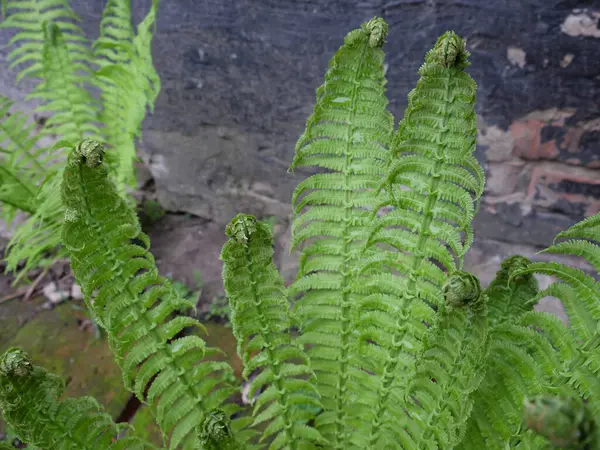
x=396, y=345
x=51, y=48
x=219, y=310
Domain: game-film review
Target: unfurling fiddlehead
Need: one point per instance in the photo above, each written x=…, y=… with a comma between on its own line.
x=30, y=402
x=215, y=432
x=566, y=422
x=463, y=289
x=15, y=362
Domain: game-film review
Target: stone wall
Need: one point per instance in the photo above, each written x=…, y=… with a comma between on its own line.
x=239, y=77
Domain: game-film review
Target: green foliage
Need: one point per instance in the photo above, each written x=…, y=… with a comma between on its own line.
x=390, y=344
x=51, y=48
x=77, y=424
x=261, y=323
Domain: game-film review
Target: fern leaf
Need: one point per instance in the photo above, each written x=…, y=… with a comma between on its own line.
x=580, y=295
x=29, y=41
x=429, y=225
x=259, y=316
x=128, y=82
x=29, y=402
x=110, y=255
x=438, y=400
x=508, y=300
x=20, y=169
x=348, y=133
x=63, y=94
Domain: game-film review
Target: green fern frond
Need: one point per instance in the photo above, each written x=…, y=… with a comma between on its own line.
x=29, y=402
x=448, y=369
x=261, y=325
x=348, y=134
x=73, y=116
x=63, y=92
x=29, y=41
x=521, y=362
x=580, y=296
x=128, y=82
x=110, y=257
x=428, y=229
x=116, y=30
x=21, y=164
x=507, y=301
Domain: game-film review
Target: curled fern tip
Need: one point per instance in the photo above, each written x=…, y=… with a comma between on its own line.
x=450, y=51
x=463, y=289
x=241, y=228
x=378, y=30
x=15, y=362
x=90, y=152
x=215, y=431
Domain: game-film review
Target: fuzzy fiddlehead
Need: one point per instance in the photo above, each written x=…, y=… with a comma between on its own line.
x=215, y=432
x=177, y=376
x=348, y=135
x=15, y=363
x=438, y=398
x=261, y=325
x=566, y=422
x=29, y=403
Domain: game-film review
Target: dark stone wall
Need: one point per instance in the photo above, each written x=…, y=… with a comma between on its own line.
x=239, y=78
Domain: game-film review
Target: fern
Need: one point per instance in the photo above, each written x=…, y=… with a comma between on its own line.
x=22, y=164
x=438, y=400
x=432, y=156
x=348, y=133
x=76, y=424
x=109, y=254
x=55, y=51
x=126, y=71
x=259, y=316
x=580, y=295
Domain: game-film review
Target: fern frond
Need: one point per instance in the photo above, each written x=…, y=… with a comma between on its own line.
x=22, y=165
x=128, y=82
x=64, y=95
x=348, y=134
x=116, y=30
x=429, y=227
x=522, y=360
x=29, y=402
x=261, y=325
x=580, y=296
x=29, y=41
x=110, y=255
x=508, y=300
x=448, y=369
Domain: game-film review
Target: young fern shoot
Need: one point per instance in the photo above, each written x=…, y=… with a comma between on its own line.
x=261, y=324
x=348, y=134
x=111, y=261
